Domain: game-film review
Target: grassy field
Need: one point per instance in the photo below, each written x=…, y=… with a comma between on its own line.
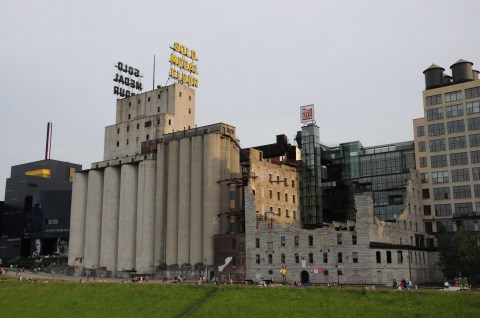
x=73, y=299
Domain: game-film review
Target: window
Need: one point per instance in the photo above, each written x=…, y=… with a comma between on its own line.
x=286, y=197
x=378, y=256
x=423, y=162
x=453, y=96
x=457, y=142
x=427, y=210
x=257, y=259
x=420, y=131
x=389, y=257
x=424, y=177
x=118, y=143
x=118, y=130
x=325, y=272
x=325, y=257
x=294, y=215
x=128, y=128
x=472, y=92
x=428, y=227
x=438, y=161
x=462, y=192
x=463, y=209
x=271, y=194
x=339, y=239
x=447, y=225
x=355, y=257
x=295, y=240
x=473, y=123
x=421, y=146
x=179, y=94
x=425, y=193
x=443, y=210
x=282, y=258
x=158, y=108
x=169, y=121
x=129, y=116
x=454, y=110
x=51, y=221
x=340, y=257
x=459, y=175
x=433, y=100
x=354, y=240
x=475, y=156
x=282, y=240
x=455, y=126
x=441, y=193
x=148, y=99
x=297, y=258
x=460, y=158
x=473, y=107
x=270, y=259
x=435, y=113
x=148, y=137
x=293, y=183
x=474, y=140
x=476, y=190
x=440, y=177
x=257, y=243
x=436, y=129
x=399, y=257
x=310, y=258
x=127, y=141
x=279, y=212
x=234, y=244
x=437, y=145
x=189, y=110
x=139, y=101
x=138, y=126
x=287, y=214
x=476, y=173
x=148, y=123
x=278, y=196
x=310, y=240
x=293, y=198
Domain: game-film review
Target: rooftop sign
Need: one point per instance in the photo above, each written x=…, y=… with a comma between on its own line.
x=128, y=80
x=183, y=67
x=307, y=113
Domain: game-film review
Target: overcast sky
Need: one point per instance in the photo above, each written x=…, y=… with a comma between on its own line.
x=359, y=62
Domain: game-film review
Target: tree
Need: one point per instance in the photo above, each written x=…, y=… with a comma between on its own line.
x=459, y=254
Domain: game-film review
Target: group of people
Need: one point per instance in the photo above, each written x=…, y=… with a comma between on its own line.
x=402, y=284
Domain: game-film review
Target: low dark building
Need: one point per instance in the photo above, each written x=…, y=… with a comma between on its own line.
x=36, y=212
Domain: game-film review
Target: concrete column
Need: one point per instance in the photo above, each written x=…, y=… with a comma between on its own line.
x=160, y=211
x=77, y=218
x=172, y=204
x=235, y=192
x=145, y=217
x=93, y=221
x=184, y=202
x=196, y=200
x=224, y=187
x=211, y=194
x=127, y=217
x=111, y=202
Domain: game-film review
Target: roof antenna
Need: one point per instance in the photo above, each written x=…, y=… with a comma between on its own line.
x=48, y=147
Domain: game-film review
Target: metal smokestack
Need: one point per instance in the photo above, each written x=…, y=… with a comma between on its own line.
x=48, y=147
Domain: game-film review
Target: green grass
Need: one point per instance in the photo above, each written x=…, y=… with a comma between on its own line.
x=73, y=299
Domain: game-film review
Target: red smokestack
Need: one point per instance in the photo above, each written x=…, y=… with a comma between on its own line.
x=48, y=148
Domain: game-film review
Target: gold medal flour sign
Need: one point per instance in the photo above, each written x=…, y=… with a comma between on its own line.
x=183, y=67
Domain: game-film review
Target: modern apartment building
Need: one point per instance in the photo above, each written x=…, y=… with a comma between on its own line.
x=447, y=149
